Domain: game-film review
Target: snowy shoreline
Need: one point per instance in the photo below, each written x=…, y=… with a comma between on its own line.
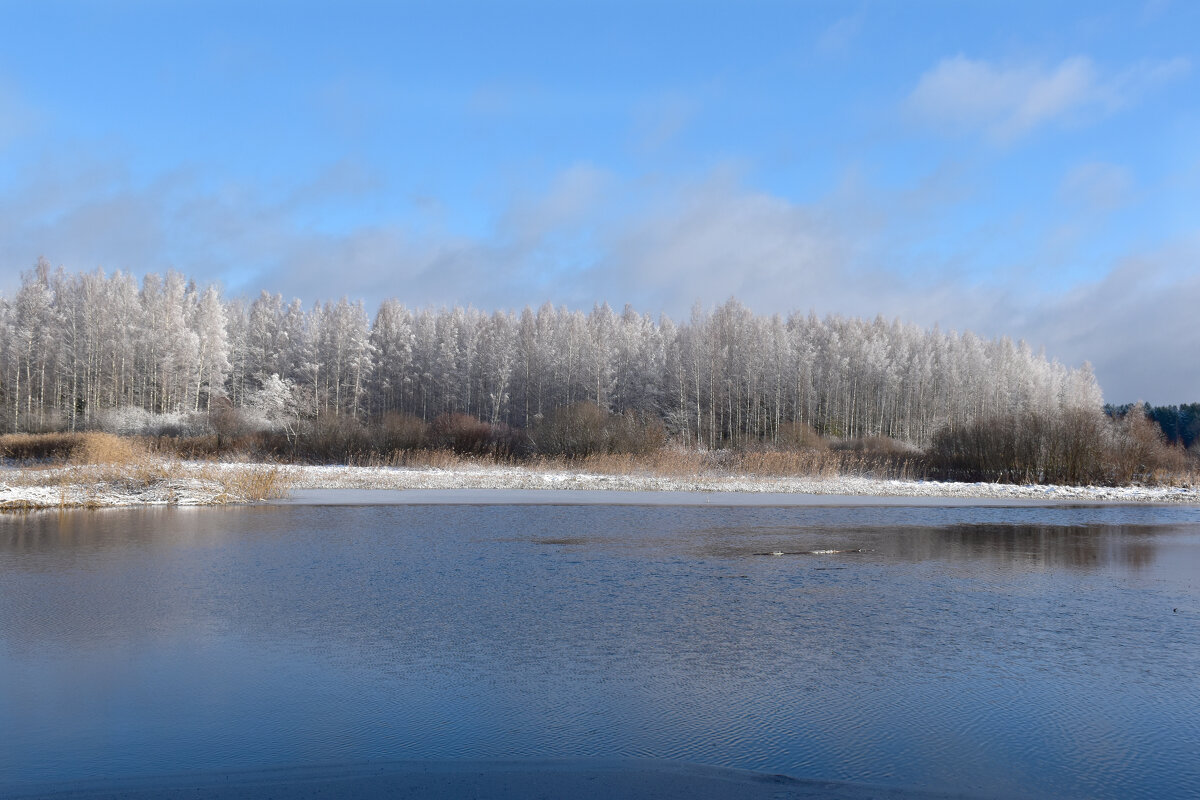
x=199, y=483
x=519, y=478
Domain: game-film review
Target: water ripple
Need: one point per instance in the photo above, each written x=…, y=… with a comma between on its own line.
x=1028, y=651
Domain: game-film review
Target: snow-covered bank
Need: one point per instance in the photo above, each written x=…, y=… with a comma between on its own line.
x=184, y=492
x=509, y=477
x=199, y=483
x=619, y=497
x=148, y=481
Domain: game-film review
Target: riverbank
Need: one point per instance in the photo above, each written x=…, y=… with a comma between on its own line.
x=146, y=480
x=509, y=477
x=215, y=483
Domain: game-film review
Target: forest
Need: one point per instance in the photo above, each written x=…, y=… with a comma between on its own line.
x=94, y=351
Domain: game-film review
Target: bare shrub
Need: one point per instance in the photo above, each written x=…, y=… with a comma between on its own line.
x=397, y=431
x=798, y=435
x=1076, y=447
x=574, y=430
x=1005, y=449
x=332, y=438
x=585, y=430
x=884, y=446
x=461, y=433
x=230, y=422
x=508, y=442
x=635, y=433
x=1138, y=450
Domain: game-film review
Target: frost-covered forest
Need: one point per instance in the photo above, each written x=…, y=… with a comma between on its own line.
x=95, y=350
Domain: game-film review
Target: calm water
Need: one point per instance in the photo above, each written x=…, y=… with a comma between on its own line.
x=998, y=651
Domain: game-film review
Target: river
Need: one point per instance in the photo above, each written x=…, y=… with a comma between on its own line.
x=1042, y=651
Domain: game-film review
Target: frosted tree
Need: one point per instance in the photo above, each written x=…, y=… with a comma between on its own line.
x=265, y=336
x=212, y=337
x=76, y=346
x=345, y=349
x=498, y=357
x=33, y=319
x=392, y=344
x=276, y=406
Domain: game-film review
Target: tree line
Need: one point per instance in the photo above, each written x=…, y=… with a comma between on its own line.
x=92, y=350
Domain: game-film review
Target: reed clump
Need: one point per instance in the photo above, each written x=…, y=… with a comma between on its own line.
x=38, y=447
x=107, y=449
x=252, y=482
x=86, y=470
x=670, y=462
x=71, y=448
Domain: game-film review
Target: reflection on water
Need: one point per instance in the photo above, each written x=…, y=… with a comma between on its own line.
x=1020, y=547
x=1036, y=546
x=991, y=650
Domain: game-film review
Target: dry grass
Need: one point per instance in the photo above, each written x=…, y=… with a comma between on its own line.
x=104, y=448
x=251, y=482
x=95, y=470
x=427, y=459
x=666, y=463
x=38, y=446
x=671, y=462
x=1184, y=476
x=683, y=463
x=827, y=464
x=73, y=448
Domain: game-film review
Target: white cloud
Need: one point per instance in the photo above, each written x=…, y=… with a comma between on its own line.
x=658, y=244
x=659, y=120
x=1132, y=83
x=17, y=117
x=575, y=195
x=1136, y=324
x=1006, y=102
x=1097, y=187
x=838, y=37
x=714, y=240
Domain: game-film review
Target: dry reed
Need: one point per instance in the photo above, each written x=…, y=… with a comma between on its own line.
x=251, y=482
x=683, y=463
x=96, y=469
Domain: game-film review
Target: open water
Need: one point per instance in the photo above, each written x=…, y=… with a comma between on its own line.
x=996, y=651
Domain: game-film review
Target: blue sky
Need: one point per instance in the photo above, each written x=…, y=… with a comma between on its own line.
x=1022, y=169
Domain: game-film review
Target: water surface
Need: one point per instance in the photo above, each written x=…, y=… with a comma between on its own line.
x=1035, y=651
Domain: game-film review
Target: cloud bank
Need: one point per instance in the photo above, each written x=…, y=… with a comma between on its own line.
x=592, y=236
x=1008, y=101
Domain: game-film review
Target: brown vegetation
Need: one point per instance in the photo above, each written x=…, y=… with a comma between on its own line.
x=26, y=447
x=1070, y=448
x=76, y=448
x=84, y=469
x=1074, y=448
x=585, y=429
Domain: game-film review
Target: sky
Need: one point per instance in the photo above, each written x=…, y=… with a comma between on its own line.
x=1029, y=170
